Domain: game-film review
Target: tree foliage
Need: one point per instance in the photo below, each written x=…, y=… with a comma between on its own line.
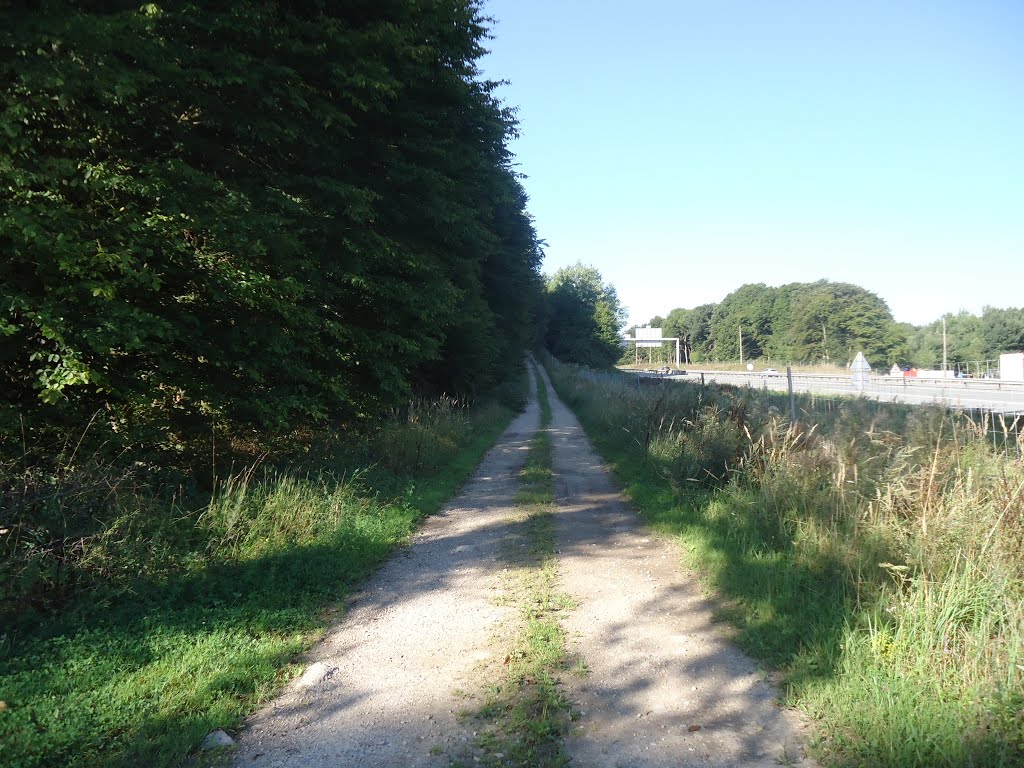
x=826, y=322
x=745, y=314
x=832, y=322
x=822, y=322
x=693, y=329
x=1001, y=330
x=256, y=211
x=969, y=338
x=584, y=318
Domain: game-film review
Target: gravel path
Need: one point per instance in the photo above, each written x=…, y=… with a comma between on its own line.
x=664, y=686
x=387, y=683
x=384, y=686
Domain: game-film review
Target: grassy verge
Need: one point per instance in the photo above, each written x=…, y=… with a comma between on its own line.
x=187, y=617
x=526, y=715
x=874, y=557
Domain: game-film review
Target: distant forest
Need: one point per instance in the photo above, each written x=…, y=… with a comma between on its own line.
x=828, y=323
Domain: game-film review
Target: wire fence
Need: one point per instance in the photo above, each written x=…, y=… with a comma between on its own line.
x=1002, y=425
x=964, y=394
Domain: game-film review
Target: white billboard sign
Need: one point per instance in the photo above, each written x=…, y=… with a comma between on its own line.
x=648, y=338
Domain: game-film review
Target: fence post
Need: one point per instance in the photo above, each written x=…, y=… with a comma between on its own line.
x=792, y=397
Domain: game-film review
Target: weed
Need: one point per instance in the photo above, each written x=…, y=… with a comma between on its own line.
x=163, y=615
x=872, y=552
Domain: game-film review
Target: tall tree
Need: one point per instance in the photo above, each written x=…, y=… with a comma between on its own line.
x=693, y=328
x=584, y=317
x=745, y=314
x=1001, y=331
x=698, y=331
x=832, y=322
x=253, y=211
x=964, y=341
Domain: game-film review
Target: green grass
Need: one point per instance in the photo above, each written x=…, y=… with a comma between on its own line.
x=192, y=617
x=526, y=715
x=873, y=556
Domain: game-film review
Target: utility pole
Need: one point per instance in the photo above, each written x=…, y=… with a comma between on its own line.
x=792, y=397
x=740, y=330
x=943, y=343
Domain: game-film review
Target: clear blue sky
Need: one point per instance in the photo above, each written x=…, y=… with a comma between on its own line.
x=685, y=147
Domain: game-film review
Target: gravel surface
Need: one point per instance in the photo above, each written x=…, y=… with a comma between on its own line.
x=384, y=686
x=664, y=687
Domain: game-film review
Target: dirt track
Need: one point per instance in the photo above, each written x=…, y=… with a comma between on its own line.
x=387, y=683
x=657, y=664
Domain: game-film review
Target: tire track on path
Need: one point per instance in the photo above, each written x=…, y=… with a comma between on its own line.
x=383, y=688
x=385, y=685
x=664, y=686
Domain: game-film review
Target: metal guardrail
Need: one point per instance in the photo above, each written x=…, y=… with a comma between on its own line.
x=965, y=394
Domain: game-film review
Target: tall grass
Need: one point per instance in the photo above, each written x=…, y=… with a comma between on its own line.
x=140, y=616
x=874, y=554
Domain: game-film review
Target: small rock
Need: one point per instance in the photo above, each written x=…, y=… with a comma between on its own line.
x=216, y=740
x=693, y=728
x=315, y=674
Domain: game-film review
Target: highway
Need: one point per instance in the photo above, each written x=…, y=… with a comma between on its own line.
x=964, y=394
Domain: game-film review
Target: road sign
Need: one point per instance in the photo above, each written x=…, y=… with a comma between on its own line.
x=861, y=371
x=648, y=338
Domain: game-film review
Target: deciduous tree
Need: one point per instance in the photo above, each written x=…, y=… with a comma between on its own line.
x=262, y=213
x=584, y=317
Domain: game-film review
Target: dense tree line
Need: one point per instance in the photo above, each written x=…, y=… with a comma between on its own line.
x=969, y=338
x=826, y=322
x=253, y=211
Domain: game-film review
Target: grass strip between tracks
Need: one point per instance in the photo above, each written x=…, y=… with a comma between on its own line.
x=526, y=715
